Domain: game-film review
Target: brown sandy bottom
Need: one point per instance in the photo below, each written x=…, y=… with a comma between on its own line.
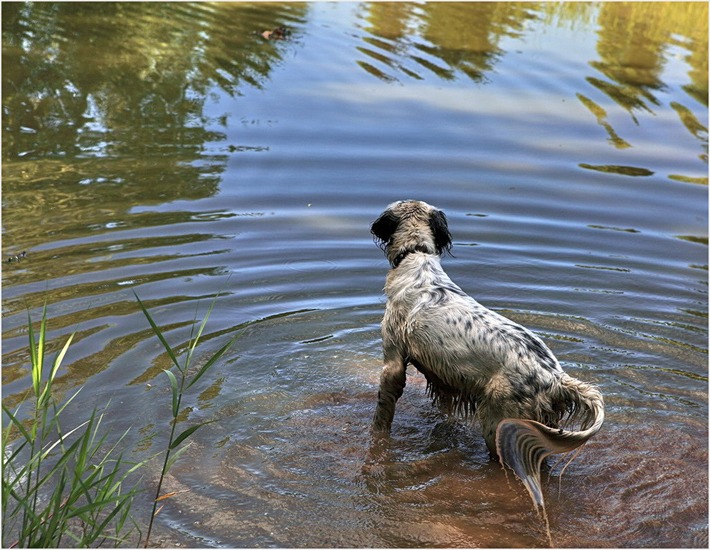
x=318, y=480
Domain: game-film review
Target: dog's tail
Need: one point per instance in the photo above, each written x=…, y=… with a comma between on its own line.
x=522, y=445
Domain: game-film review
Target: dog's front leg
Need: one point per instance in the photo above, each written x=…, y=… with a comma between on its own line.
x=392, y=382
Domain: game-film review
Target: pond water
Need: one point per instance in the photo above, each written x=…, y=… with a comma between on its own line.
x=172, y=150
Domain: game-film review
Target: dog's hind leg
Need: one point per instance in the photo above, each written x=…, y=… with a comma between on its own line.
x=392, y=382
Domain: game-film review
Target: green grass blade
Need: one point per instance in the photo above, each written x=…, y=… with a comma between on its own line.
x=212, y=360
x=59, y=411
x=9, y=464
x=85, y=439
x=52, y=480
x=36, y=372
x=158, y=333
x=97, y=505
x=187, y=433
x=60, y=356
x=174, y=384
x=40, y=347
x=23, y=502
x=119, y=506
x=173, y=458
x=193, y=340
x=53, y=373
x=122, y=517
x=57, y=468
x=202, y=326
x=135, y=467
x=56, y=515
x=15, y=422
x=49, y=446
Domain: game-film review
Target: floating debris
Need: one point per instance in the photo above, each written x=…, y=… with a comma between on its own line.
x=17, y=257
x=279, y=33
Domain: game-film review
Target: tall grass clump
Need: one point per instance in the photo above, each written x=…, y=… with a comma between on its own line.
x=61, y=487
x=66, y=488
x=179, y=384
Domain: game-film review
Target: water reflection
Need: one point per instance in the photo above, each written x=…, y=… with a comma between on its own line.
x=104, y=109
x=443, y=38
x=449, y=39
x=634, y=38
x=162, y=146
x=117, y=79
x=633, y=41
x=465, y=37
x=127, y=78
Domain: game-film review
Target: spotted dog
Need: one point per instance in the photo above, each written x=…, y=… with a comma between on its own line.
x=477, y=363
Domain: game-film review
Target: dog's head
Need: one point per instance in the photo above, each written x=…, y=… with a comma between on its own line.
x=411, y=226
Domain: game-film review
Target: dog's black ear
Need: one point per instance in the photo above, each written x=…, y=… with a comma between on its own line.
x=440, y=230
x=384, y=227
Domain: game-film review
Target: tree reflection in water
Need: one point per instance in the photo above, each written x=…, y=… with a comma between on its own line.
x=126, y=78
x=132, y=78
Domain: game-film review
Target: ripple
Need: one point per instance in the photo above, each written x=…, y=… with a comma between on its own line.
x=308, y=266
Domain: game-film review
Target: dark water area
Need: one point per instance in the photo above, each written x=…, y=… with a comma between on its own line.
x=171, y=150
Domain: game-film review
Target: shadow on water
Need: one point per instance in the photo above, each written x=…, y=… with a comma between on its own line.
x=170, y=147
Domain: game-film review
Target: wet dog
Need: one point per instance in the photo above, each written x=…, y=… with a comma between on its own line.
x=477, y=363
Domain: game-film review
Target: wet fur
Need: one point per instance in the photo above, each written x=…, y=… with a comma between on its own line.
x=477, y=363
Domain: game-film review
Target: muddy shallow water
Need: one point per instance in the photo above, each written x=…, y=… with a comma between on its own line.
x=172, y=150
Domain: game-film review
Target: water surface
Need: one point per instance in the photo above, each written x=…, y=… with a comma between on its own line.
x=171, y=150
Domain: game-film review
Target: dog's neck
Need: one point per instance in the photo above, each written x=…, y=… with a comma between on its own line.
x=406, y=252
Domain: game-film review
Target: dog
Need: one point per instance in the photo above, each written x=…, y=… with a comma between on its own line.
x=477, y=363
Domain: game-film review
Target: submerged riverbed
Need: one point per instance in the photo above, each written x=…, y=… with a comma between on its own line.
x=172, y=150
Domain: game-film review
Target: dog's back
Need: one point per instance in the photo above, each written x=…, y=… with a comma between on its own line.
x=476, y=361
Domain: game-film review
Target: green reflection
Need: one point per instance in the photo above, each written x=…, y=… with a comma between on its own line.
x=616, y=169
x=601, y=115
x=104, y=109
x=688, y=179
x=454, y=39
x=633, y=39
x=465, y=37
x=103, y=106
x=693, y=239
x=443, y=38
x=127, y=78
x=627, y=230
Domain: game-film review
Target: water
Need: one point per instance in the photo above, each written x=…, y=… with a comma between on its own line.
x=167, y=149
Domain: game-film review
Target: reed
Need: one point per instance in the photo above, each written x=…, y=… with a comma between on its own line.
x=61, y=487
x=179, y=384
x=67, y=488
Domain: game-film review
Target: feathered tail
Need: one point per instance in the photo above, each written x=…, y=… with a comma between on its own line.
x=522, y=445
